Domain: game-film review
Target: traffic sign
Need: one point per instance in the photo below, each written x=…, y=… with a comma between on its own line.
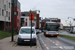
x=31, y=14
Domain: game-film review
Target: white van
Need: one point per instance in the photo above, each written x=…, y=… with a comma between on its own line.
x=24, y=35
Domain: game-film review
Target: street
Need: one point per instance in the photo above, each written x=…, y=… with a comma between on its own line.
x=54, y=43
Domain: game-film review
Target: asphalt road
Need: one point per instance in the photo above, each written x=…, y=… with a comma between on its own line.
x=54, y=43
x=66, y=33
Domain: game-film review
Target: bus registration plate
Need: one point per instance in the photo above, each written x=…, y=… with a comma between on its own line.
x=52, y=35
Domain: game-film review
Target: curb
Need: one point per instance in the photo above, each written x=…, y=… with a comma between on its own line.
x=39, y=45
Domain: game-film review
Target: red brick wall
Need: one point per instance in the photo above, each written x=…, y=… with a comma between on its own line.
x=17, y=18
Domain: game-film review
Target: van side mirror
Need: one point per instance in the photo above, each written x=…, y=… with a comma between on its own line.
x=32, y=31
x=17, y=32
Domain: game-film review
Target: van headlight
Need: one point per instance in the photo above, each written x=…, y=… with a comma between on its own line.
x=19, y=36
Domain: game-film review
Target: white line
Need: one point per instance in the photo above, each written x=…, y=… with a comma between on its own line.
x=60, y=47
x=45, y=44
x=56, y=44
x=52, y=42
x=47, y=48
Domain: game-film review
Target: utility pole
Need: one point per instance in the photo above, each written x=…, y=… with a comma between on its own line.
x=12, y=39
x=31, y=30
x=31, y=17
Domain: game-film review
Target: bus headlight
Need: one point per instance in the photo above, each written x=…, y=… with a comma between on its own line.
x=46, y=32
x=56, y=33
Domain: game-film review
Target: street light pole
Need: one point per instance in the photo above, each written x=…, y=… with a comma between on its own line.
x=31, y=30
x=12, y=39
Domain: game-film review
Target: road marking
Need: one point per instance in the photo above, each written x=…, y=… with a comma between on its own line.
x=60, y=47
x=47, y=48
x=45, y=44
x=56, y=44
x=52, y=42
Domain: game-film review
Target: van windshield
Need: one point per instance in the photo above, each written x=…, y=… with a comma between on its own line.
x=27, y=31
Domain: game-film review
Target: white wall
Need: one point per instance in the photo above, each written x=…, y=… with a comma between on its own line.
x=4, y=5
x=28, y=21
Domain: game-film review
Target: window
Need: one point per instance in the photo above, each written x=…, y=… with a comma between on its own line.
x=9, y=24
x=12, y=4
x=15, y=13
x=6, y=23
x=2, y=12
x=5, y=7
x=9, y=14
x=23, y=14
x=22, y=19
x=27, y=31
x=26, y=19
x=6, y=13
x=9, y=5
x=8, y=18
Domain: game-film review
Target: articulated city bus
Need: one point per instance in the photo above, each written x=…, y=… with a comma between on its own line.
x=51, y=28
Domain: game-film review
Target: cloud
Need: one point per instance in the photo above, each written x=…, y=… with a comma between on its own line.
x=51, y=8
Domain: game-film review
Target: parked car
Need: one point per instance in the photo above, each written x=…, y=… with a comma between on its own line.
x=38, y=31
x=24, y=35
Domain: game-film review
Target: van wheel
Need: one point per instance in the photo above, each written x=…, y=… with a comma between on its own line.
x=35, y=44
x=55, y=36
x=18, y=43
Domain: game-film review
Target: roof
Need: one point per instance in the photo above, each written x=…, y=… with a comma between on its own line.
x=26, y=13
x=50, y=22
x=27, y=27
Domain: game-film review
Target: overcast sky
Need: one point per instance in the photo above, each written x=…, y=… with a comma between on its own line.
x=50, y=8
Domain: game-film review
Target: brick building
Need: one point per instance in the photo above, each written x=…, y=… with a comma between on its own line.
x=17, y=15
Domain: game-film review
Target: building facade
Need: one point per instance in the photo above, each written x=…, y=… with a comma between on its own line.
x=5, y=14
x=25, y=19
x=17, y=15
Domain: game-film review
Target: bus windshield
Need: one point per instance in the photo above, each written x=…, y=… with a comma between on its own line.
x=52, y=27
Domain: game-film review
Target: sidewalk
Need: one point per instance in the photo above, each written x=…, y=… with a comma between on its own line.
x=5, y=44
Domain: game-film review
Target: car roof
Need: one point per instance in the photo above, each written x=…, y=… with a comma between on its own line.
x=27, y=27
x=50, y=22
